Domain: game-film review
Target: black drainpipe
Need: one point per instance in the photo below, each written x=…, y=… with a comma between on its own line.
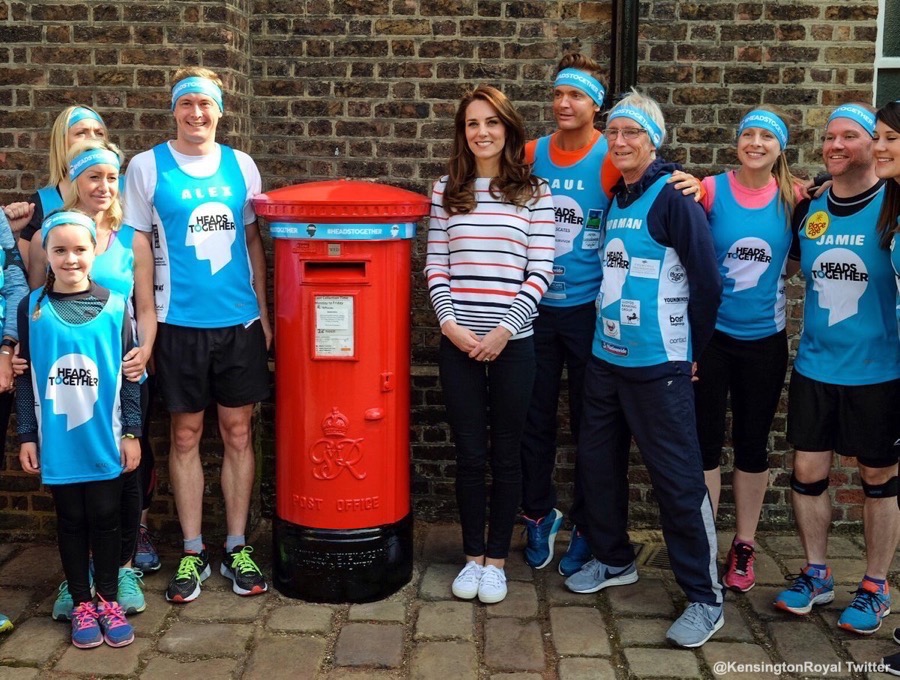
x=623, y=66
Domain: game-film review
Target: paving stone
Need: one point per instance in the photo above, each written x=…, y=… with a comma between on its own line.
x=586, y=669
x=285, y=657
x=443, y=544
x=578, y=631
x=14, y=602
x=437, y=581
x=521, y=601
x=790, y=546
x=738, y=653
x=761, y=599
x=99, y=661
x=844, y=570
x=634, y=632
x=735, y=628
x=517, y=570
x=41, y=561
x=446, y=620
x=369, y=644
x=647, y=596
x=432, y=660
x=385, y=610
x=767, y=570
x=360, y=674
x=801, y=640
x=302, y=618
x=8, y=549
x=870, y=651
x=516, y=676
x=206, y=639
x=13, y=673
x=223, y=607
x=557, y=593
x=511, y=644
x=675, y=663
x=152, y=619
x=35, y=641
x=161, y=668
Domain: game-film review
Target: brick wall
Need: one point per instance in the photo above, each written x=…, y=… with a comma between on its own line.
x=367, y=88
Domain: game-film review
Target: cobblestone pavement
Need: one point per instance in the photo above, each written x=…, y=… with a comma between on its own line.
x=541, y=631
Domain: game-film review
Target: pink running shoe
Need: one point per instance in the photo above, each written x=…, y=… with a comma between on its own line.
x=117, y=632
x=85, y=629
x=739, y=574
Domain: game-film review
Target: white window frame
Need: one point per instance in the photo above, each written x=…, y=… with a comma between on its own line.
x=882, y=62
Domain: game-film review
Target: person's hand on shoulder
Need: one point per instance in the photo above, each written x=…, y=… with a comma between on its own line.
x=687, y=184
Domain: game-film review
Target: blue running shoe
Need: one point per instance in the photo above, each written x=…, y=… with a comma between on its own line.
x=85, y=629
x=577, y=554
x=595, y=576
x=696, y=625
x=541, y=537
x=145, y=556
x=63, y=605
x=808, y=590
x=117, y=632
x=130, y=595
x=869, y=606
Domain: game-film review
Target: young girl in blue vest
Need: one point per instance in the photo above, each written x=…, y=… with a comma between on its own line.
x=79, y=419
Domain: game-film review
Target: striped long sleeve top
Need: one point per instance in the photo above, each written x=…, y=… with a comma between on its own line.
x=490, y=267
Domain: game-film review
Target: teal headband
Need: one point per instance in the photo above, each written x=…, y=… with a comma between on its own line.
x=585, y=82
x=81, y=113
x=197, y=85
x=765, y=120
x=642, y=119
x=91, y=157
x=865, y=119
x=59, y=219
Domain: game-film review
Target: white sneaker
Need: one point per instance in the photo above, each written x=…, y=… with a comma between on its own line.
x=492, y=587
x=465, y=585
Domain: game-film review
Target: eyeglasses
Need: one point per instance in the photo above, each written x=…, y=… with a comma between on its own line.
x=627, y=133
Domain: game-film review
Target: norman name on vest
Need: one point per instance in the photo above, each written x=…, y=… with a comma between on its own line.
x=625, y=223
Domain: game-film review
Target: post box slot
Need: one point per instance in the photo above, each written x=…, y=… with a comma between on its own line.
x=334, y=272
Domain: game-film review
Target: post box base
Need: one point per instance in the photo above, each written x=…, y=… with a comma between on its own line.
x=342, y=565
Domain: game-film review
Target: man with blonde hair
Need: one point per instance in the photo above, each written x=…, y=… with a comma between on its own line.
x=193, y=195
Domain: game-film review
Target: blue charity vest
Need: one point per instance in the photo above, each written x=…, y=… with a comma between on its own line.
x=114, y=268
x=580, y=205
x=895, y=263
x=76, y=373
x=203, y=275
x=50, y=200
x=643, y=299
x=849, y=315
x=751, y=248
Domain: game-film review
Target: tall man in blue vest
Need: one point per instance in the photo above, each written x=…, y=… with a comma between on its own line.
x=192, y=196
x=845, y=385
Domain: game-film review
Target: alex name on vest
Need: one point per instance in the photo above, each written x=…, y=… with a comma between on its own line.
x=208, y=192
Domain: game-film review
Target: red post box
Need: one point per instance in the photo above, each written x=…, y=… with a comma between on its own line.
x=343, y=526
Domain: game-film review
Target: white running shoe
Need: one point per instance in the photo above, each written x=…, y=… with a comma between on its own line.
x=465, y=585
x=492, y=587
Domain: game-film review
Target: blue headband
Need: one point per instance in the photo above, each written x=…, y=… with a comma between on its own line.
x=865, y=119
x=765, y=120
x=91, y=157
x=197, y=85
x=642, y=119
x=80, y=113
x=585, y=82
x=60, y=219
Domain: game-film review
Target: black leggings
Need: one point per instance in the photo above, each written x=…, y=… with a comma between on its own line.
x=88, y=522
x=147, y=467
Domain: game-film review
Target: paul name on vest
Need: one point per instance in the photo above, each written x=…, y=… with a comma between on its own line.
x=753, y=254
x=625, y=223
x=840, y=271
x=567, y=184
x=208, y=192
x=76, y=377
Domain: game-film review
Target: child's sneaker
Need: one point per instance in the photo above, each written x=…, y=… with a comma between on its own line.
x=85, y=629
x=145, y=556
x=869, y=606
x=130, y=595
x=63, y=605
x=739, y=573
x=117, y=632
x=808, y=590
x=245, y=576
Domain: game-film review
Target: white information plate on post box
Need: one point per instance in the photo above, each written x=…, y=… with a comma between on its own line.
x=334, y=326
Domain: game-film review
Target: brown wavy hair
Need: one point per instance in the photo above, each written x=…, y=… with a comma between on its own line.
x=514, y=184
x=889, y=114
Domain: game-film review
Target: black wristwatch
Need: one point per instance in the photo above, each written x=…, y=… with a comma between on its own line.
x=8, y=342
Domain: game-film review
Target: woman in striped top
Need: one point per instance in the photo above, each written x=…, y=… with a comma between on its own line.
x=490, y=260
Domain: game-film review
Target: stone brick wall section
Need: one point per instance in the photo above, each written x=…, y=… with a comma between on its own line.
x=321, y=89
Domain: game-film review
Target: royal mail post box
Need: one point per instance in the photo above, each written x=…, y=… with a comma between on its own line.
x=343, y=529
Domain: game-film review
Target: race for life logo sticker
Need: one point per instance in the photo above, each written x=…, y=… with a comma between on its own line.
x=817, y=224
x=211, y=232
x=73, y=386
x=569, y=223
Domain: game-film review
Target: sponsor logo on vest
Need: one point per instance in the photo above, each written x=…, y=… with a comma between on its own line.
x=675, y=300
x=624, y=223
x=752, y=254
x=616, y=259
x=211, y=232
x=676, y=274
x=817, y=224
x=73, y=386
x=839, y=271
x=676, y=319
x=631, y=312
x=559, y=270
x=681, y=340
x=568, y=216
x=615, y=349
x=611, y=329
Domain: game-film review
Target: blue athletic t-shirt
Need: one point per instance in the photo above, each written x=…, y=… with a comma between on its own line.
x=751, y=248
x=580, y=206
x=849, y=315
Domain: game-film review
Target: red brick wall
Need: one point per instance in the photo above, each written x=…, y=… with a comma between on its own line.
x=331, y=88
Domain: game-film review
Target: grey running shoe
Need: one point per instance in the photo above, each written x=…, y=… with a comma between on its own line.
x=596, y=576
x=696, y=624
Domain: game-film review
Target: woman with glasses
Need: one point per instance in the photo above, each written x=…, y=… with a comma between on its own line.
x=749, y=213
x=656, y=313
